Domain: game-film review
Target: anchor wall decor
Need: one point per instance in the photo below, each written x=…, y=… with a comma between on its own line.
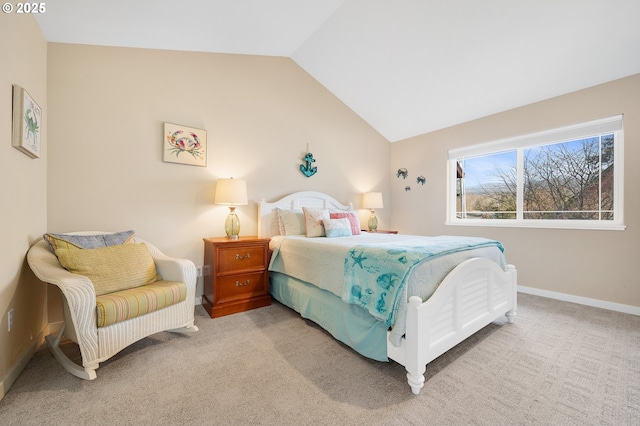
x=306, y=167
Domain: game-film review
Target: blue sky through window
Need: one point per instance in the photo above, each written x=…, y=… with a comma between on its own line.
x=484, y=170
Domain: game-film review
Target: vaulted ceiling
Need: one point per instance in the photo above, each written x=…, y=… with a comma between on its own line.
x=407, y=67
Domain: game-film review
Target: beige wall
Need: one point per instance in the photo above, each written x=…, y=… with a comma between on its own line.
x=107, y=108
x=23, y=193
x=592, y=264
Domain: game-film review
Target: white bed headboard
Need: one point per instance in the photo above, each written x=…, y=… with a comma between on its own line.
x=267, y=221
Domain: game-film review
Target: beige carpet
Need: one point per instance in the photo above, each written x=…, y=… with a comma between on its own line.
x=558, y=364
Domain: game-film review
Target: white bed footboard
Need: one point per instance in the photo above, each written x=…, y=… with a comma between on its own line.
x=473, y=295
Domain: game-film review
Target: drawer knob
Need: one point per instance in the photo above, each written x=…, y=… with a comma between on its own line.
x=239, y=284
x=240, y=257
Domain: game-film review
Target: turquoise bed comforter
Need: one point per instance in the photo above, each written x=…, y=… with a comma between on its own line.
x=375, y=273
x=321, y=263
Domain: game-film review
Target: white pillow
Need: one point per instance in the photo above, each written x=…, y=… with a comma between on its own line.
x=337, y=227
x=290, y=221
x=313, y=219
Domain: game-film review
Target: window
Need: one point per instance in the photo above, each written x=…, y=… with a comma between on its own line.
x=564, y=178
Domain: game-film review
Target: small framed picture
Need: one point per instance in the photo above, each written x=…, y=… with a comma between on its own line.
x=27, y=123
x=184, y=145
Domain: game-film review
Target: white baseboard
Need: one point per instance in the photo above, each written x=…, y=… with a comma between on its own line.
x=20, y=365
x=618, y=307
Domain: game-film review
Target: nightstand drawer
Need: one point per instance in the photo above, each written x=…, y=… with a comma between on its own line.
x=232, y=259
x=241, y=286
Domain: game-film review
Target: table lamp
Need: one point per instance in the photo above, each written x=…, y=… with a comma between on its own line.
x=231, y=192
x=372, y=201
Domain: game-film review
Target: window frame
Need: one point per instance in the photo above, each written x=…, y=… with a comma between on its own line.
x=609, y=125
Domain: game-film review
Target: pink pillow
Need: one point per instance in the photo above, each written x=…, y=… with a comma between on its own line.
x=353, y=219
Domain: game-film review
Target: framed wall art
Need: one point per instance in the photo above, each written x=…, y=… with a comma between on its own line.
x=184, y=145
x=27, y=123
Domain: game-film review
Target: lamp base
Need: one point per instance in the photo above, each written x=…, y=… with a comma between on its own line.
x=232, y=224
x=373, y=222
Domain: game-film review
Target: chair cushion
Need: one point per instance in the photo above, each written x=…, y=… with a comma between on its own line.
x=111, y=268
x=87, y=241
x=126, y=304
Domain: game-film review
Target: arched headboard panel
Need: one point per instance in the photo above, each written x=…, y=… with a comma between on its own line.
x=268, y=222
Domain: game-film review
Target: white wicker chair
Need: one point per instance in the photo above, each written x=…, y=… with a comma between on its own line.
x=97, y=344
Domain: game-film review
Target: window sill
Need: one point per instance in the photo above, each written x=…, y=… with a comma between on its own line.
x=538, y=225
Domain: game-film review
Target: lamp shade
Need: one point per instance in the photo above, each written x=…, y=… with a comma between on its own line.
x=231, y=192
x=372, y=200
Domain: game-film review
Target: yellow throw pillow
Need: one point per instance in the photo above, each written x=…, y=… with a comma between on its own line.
x=111, y=268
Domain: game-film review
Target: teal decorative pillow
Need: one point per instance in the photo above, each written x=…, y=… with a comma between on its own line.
x=337, y=227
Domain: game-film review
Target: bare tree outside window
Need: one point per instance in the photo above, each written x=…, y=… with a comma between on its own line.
x=571, y=180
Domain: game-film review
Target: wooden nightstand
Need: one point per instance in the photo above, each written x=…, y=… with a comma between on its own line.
x=236, y=278
x=382, y=231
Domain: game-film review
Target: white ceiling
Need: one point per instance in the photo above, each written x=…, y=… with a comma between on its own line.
x=407, y=67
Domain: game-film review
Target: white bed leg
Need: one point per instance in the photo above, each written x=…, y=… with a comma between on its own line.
x=415, y=347
x=513, y=276
x=416, y=381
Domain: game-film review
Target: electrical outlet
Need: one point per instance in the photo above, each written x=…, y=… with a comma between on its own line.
x=10, y=319
x=199, y=269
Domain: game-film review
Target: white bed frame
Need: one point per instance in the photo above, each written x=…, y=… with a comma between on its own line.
x=473, y=295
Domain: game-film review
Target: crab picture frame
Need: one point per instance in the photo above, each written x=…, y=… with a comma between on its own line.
x=184, y=145
x=27, y=123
